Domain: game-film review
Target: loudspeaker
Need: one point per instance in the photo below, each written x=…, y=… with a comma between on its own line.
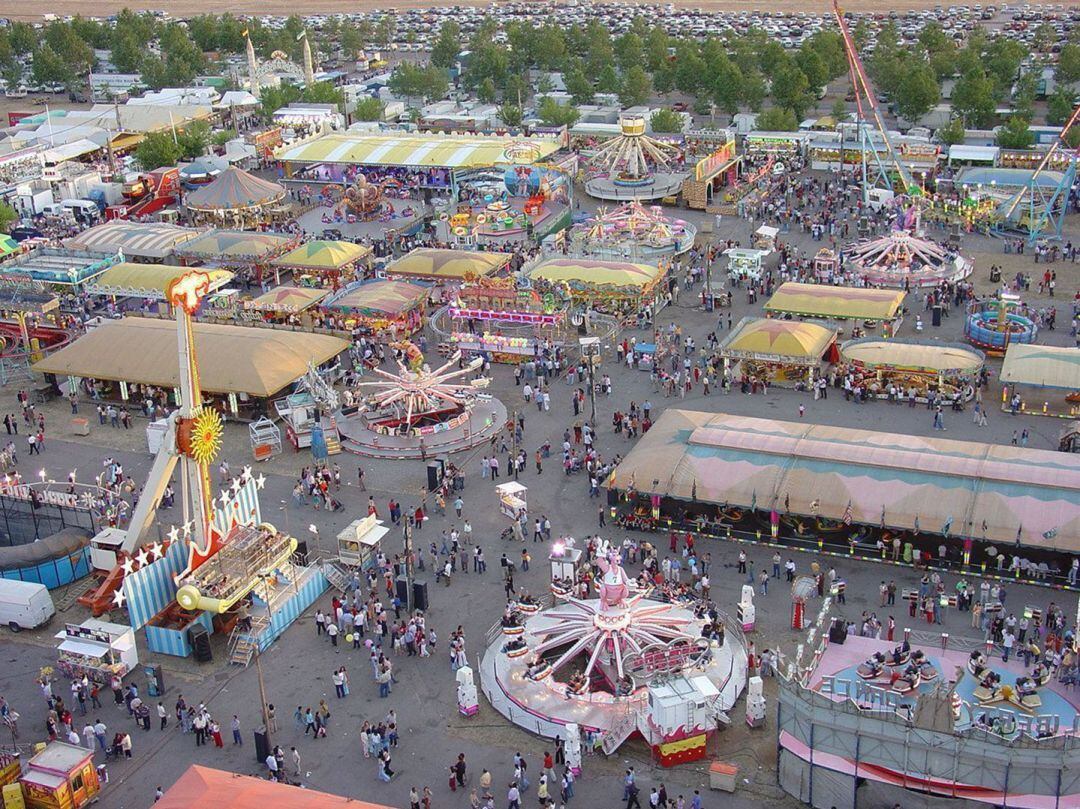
x=300, y=555
x=401, y=586
x=262, y=746
x=420, y=595
x=200, y=643
x=838, y=631
x=435, y=471
x=935, y=315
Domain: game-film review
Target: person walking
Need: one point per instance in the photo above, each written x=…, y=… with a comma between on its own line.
x=236, y=738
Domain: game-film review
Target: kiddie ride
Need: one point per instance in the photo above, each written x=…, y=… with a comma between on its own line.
x=360, y=202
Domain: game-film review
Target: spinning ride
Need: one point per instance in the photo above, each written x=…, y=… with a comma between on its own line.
x=419, y=410
x=632, y=231
x=633, y=165
x=362, y=199
x=994, y=324
x=589, y=661
x=904, y=259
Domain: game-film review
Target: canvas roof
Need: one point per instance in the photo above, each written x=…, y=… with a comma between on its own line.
x=234, y=189
x=767, y=338
x=231, y=359
x=995, y=492
x=920, y=356
x=54, y=265
x=135, y=239
x=204, y=786
x=236, y=244
x=1043, y=366
x=147, y=280
x=420, y=150
x=586, y=272
x=820, y=300
x=322, y=255
x=389, y=298
x=287, y=299
x=447, y=265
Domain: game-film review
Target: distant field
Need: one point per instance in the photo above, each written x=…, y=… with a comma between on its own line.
x=24, y=11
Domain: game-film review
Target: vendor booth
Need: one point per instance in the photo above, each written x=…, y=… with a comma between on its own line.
x=127, y=280
x=612, y=287
x=243, y=251
x=745, y=264
x=447, y=266
x=389, y=309
x=764, y=238
x=512, y=499
x=97, y=649
x=62, y=776
x=1044, y=380
x=325, y=263
x=948, y=370
x=285, y=303
x=360, y=541
x=853, y=308
x=779, y=352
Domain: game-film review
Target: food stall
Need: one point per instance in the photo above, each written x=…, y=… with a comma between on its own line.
x=359, y=542
x=854, y=308
x=391, y=310
x=946, y=369
x=98, y=649
x=285, y=303
x=62, y=776
x=512, y=499
x=826, y=265
x=612, y=287
x=745, y=264
x=764, y=238
x=781, y=352
x=325, y=263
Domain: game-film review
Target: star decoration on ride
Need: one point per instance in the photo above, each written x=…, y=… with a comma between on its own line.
x=260, y=481
x=118, y=598
x=128, y=566
x=157, y=550
x=173, y=534
x=188, y=290
x=142, y=557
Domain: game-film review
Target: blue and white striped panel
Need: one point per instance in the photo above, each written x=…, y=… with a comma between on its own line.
x=175, y=641
x=285, y=617
x=244, y=507
x=148, y=591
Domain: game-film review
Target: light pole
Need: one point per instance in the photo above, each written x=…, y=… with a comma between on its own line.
x=590, y=349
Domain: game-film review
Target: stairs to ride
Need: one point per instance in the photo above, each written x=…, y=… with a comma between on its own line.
x=619, y=733
x=335, y=576
x=243, y=643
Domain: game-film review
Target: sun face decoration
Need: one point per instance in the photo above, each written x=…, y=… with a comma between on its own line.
x=206, y=429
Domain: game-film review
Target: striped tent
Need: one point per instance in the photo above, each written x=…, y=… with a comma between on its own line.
x=234, y=190
x=155, y=240
x=447, y=265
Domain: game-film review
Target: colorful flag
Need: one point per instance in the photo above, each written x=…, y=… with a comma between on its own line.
x=847, y=514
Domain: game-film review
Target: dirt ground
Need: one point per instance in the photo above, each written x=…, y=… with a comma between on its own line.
x=188, y=8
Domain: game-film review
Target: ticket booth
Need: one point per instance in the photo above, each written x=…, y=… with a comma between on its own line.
x=62, y=776
x=512, y=499
x=360, y=541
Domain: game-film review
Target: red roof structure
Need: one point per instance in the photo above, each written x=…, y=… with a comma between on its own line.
x=204, y=786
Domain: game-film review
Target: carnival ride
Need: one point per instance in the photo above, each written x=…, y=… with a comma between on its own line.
x=993, y=325
x=633, y=165
x=903, y=259
x=591, y=661
x=631, y=231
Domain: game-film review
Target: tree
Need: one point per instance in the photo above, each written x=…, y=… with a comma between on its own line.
x=666, y=121
x=127, y=53
x=323, y=92
x=812, y=66
x=351, y=41
x=369, y=109
x=486, y=92
x=1002, y=63
x=918, y=93
x=23, y=37
x=1024, y=91
x=8, y=217
x=777, y=119
x=791, y=88
x=952, y=132
x=51, y=68
x=839, y=110
x=752, y=89
x=829, y=45
x=447, y=46
x=222, y=136
x=156, y=150
x=511, y=115
x=515, y=89
x=578, y=86
x=1068, y=67
x=550, y=48
x=1059, y=106
x=973, y=99
x=193, y=139
x=933, y=38
x=544, y=85
x=635, y=87
x=608, y=80
x=412, y=81
x=1015, y=133
x=629, y=51
x=272, y=99
x=552, y=113
x=663, y=79
x=727, y=87
x=691, y=72
x=1043, y=37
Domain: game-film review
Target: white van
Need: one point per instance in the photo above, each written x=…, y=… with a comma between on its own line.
x=24, y=604
x=83, y=210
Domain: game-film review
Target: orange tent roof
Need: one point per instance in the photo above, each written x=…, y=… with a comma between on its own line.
x=203, y=786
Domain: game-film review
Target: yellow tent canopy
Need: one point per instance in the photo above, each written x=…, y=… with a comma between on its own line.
x=919, y=356
x=147, y=280
x=236, y=245
x=287, y=299
x=583, y=273
x=419, y=150
x=777, y=340
x=1042, y=366
x=447, y=265
x=840, y=303
x=323, y=255
x=232, y=359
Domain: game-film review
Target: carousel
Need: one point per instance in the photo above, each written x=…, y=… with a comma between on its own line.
x=418, y=411
x=633, y=165
x=589, y=661
x=237, y=199
x=903, y=259
x=631, y=231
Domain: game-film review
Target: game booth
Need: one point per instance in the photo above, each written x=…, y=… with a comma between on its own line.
x=949, y=371
x=447, y=269
x=148, y=281
x=618, y=288
x=59, y=776
x=1045, y=378
x=854, y=309
x=389, y=310
x=329, y=264
x=245, y=252
x=780, y=352
x=745, y=264
x=360, y=541
x=96, y=649
x=285, y=304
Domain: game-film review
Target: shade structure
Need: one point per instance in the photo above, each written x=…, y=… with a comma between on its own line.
x=287, y=299
x=226, y=246
x=379, y=298
x=322, y=255
x=835, y=303
x=233, y=190
x=153, y=240
x=204, y=786
x=447, y=265
x=420, y=150
x=61, y=266
x=147, y=280
x=956, y=488
x=1042, y=366
x=772, y=340
x=258, y=362
x=902, y=355
x=7, y=245
x=583, y=275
